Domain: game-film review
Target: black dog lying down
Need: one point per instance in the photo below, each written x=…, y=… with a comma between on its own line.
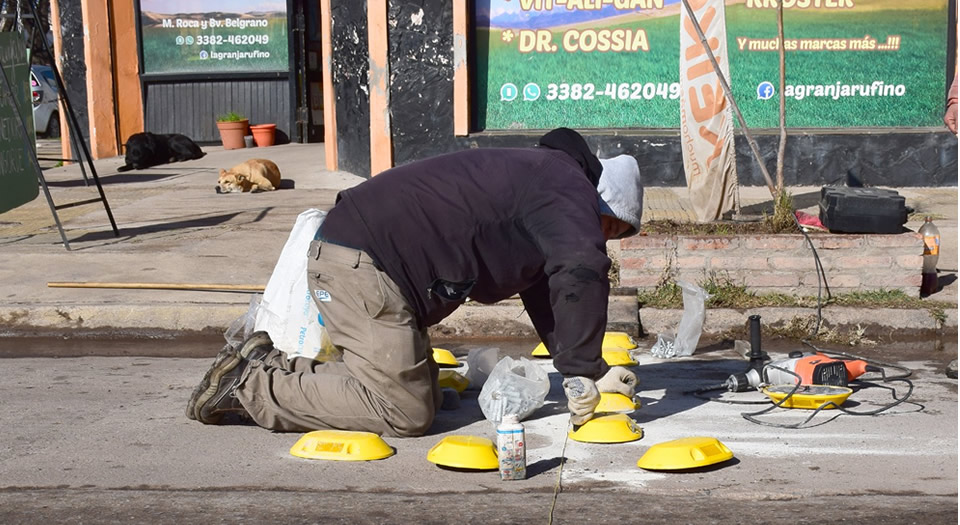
x=150, y=149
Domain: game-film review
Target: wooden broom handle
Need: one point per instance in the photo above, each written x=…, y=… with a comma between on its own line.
x=160, y=286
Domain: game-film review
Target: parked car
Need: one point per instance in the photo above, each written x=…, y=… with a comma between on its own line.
x=46, y=109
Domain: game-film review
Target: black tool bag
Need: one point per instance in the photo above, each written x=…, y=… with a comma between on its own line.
x=862, y=210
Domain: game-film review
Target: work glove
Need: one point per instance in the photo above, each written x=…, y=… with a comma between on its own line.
x=618, y=379
x=582, y=398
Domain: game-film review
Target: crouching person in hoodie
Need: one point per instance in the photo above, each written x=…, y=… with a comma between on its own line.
x=401, y=251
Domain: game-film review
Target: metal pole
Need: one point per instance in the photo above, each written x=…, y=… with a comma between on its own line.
x=781, y=150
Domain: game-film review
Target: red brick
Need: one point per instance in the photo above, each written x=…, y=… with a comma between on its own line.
x=692, y=262
x=773, y=242
x=834, y=280
x=860, y=262
x=644, y=263
x=890, y=280
x=647, y=242
x=706, y=243
x=911, y=262
x=639, y=280
x=739, y=263
x=835, y=242
x=900, y=240
x=771, y=279
x=800, y=262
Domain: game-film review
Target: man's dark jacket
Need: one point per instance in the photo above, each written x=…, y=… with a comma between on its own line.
x=488, y=224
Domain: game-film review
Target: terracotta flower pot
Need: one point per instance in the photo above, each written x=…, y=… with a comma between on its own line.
x=232, y=133
x=264, y=134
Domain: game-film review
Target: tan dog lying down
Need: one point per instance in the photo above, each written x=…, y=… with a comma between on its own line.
x=251, y=175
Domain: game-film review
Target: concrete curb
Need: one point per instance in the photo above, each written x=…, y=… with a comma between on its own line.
x=498, y=321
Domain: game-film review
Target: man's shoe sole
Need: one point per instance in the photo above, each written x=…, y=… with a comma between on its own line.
x=205, y=382
x=211, y=383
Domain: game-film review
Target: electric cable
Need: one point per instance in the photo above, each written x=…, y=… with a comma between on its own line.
x=751, y=416
x=897, y=400
x=821, y=276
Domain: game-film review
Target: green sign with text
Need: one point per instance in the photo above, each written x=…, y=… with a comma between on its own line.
x=615, y=63
x=18, y=176
x=215, y=36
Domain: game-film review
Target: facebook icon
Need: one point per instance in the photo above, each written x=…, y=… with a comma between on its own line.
x=765, y=90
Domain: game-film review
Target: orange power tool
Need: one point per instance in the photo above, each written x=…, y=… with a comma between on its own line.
x=816, y=369
x=813, y=368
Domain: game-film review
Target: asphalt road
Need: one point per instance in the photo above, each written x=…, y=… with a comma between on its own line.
x=103, y=439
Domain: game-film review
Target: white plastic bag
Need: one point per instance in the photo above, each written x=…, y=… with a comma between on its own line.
x=691, y=324
x=480, y=362
x=287, y=312
x=685, y=341
x=514, y=387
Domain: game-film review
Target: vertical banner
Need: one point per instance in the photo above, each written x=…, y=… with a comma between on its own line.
x=706, y=123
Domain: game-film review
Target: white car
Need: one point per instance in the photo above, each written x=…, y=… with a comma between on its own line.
x=46, y=110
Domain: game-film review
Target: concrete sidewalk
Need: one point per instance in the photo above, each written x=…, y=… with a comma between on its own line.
x=174, y=228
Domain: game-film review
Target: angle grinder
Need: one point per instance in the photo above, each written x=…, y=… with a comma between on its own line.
x=806, y=368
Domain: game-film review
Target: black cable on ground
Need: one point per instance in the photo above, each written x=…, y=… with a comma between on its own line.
x=699, y=394
x=750, y=416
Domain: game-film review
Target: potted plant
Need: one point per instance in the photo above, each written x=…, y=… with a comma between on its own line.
x=233, y=127
x=264, y=134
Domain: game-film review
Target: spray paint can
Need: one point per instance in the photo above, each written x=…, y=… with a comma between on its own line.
x=511, y=448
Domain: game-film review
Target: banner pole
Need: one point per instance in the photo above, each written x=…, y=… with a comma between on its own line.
x=729, y=94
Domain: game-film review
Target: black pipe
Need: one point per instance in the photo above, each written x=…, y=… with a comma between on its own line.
x=757, y=356
x=754, y=336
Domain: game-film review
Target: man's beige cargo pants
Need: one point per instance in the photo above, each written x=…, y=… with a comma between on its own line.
x=387, y=382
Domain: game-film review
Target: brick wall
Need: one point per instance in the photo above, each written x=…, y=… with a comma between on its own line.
x=778, y=263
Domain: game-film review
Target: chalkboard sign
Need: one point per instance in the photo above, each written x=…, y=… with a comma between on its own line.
x=18, y=176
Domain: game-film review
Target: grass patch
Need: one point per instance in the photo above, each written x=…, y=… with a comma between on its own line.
x=918, y=216
x=725, y=293
x=782, y=220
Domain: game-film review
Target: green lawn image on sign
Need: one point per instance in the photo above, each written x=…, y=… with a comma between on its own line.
x=590, y=64
x=225, y=36
x=18, y=175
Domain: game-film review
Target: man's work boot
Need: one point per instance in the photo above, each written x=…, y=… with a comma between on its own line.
x=214, y=398
x=256, y=347
x=225, y=353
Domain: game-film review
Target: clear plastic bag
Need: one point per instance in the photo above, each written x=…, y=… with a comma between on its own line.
x=684, y=342
x=480, y=362
x=514, y=387
x=242, y=327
